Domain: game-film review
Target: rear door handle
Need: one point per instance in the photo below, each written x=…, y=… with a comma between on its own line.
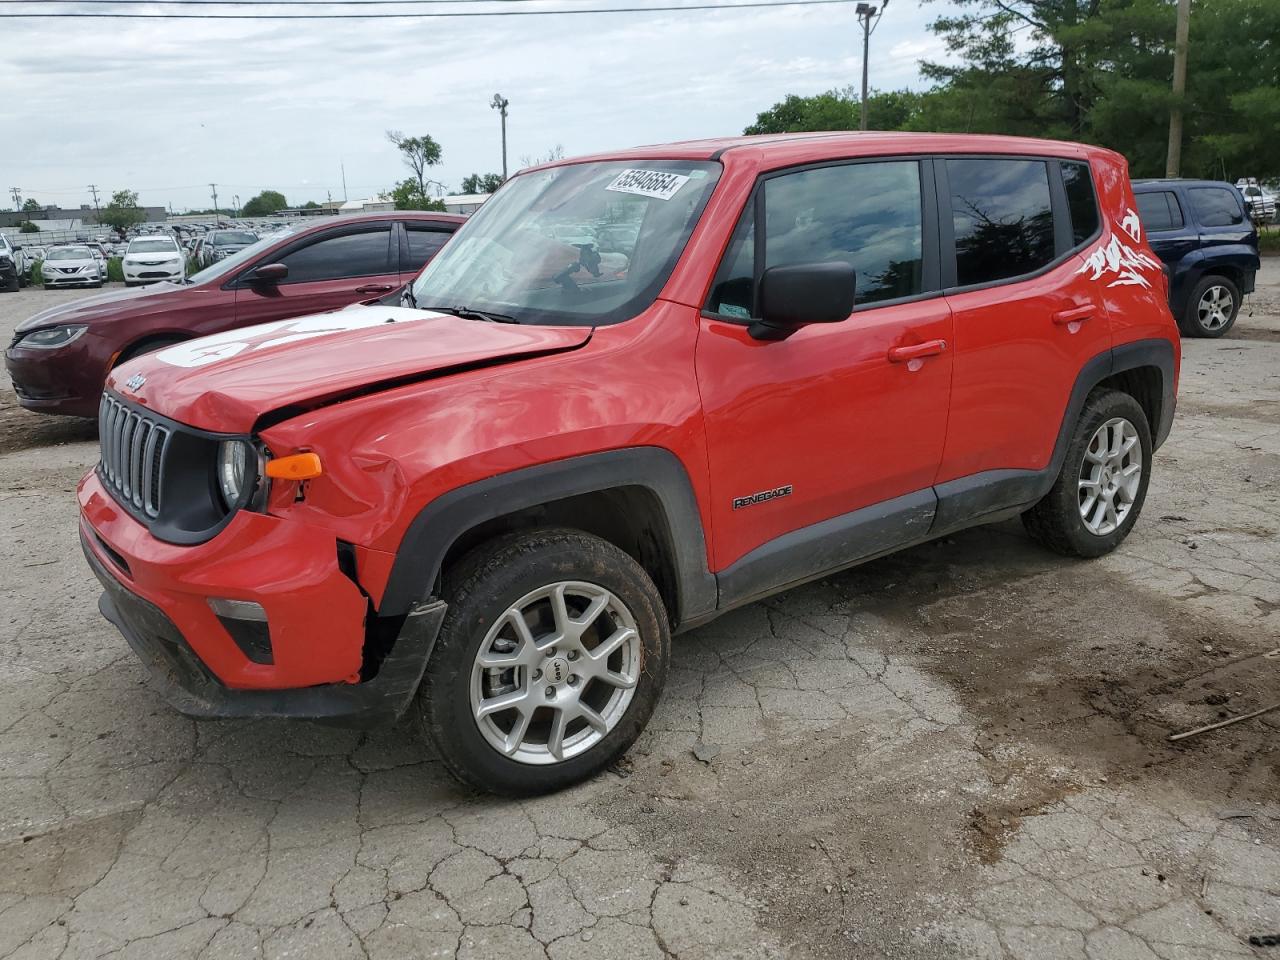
x=917, y=351
x=375, y=288
x=1075, y=314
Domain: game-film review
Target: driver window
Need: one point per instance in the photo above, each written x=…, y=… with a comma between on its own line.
x=865, y=214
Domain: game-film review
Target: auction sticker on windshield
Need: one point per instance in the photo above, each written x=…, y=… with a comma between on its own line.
x=648, y=183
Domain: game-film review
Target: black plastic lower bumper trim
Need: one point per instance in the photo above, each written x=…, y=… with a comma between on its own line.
x=188, y=685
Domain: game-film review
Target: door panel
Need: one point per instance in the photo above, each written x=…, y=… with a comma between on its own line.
x=1018, y=349
x=338, y=268
x=825, y=412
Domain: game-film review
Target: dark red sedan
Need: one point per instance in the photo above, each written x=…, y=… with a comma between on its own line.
x=59, y=359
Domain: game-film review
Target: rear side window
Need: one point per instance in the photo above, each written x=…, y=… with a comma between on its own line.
x=424, y=243
x=1002, y=216
x=1159, y=211
x=1216, y=206
x=362, y=254
x=1080, y=201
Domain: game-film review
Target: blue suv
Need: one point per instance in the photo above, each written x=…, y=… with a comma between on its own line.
x=1202, y=231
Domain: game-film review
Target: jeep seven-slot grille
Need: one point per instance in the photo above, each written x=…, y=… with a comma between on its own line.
x=133, y=450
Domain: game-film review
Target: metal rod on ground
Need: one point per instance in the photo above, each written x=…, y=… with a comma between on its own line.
x=1224, y=723
x=1173, y=162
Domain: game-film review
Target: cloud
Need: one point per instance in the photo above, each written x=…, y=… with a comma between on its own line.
x=166, y=107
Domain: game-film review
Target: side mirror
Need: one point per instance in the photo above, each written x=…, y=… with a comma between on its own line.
x=799, y=294
x=270, y=273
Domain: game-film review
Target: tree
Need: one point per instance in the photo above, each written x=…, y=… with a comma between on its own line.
x=311, y=205
x=552, y=155
x=26, y=226
x=122, y=212
x=839, y=110
x=32, y=205
x=408, y=196
x=481, y=183
x=264, y=204
x=419, y=155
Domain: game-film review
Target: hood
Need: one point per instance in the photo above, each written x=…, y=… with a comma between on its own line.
x=107, y=306
x=227, y=382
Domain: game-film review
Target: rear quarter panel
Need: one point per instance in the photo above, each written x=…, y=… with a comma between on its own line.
x=1131, y=284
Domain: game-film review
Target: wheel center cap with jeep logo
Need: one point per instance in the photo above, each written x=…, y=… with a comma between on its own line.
x=557, y=670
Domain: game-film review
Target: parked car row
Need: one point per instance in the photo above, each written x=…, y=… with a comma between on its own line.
x=59, y=358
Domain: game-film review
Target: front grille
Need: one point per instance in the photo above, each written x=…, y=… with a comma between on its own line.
x=133, y=451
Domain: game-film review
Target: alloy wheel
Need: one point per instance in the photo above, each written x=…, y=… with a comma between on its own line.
x=1110, y=476
x=1214, y=309
x=556, y=672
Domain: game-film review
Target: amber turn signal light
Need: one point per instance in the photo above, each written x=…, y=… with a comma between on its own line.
x=299, y=466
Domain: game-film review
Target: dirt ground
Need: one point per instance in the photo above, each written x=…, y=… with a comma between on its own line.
x=959, y=751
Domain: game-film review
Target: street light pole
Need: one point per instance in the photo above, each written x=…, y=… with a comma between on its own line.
x=500, y=104
x=865, y=12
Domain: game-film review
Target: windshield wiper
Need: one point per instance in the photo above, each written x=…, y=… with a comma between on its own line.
x=407, y=297
x=467, y=313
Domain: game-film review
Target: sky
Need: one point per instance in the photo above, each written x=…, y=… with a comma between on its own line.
x=166, y=107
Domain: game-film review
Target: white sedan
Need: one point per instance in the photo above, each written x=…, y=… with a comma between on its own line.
x=150, y=259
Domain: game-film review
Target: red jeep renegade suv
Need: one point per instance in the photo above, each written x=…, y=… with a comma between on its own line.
x=634, y=392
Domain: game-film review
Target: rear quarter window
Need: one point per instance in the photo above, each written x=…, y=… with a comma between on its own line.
x=1216, y=206
x=1080, y=201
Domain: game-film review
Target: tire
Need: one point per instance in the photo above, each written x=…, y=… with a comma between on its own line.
x=512, y=573
x=146, y=346
x=1058, y=520
x=1208, y=312
x=13, y=286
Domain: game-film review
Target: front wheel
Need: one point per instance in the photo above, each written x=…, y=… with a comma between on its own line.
x=549, y=663
x=1097, y=497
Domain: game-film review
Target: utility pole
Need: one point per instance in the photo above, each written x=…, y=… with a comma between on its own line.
x=500, y=104
x=1173, y=163
x=97, y=213
x=235, y=205
x=214, y=188
x=16, y=193
x=865, y=12
x=343, y=166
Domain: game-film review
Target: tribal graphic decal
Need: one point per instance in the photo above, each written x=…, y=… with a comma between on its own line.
x=1119, y=261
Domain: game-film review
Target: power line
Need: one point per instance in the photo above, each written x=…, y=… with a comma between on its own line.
x=262, y=3
x=82, y=15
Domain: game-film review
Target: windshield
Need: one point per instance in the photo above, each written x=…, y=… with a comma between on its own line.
x=153, y=246
x=227, y=237
x=232, y=262
x=577, y=245
x=70, y=253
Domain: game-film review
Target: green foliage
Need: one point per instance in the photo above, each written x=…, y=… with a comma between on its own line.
x=37, y=273
x=1269, y=239
x=1092, y=70
x=481, y=183
x=407, y=195
x=311, y=205
x=31, y=206
x=264, y=204
x=26, y=226
x=115, y=269
x=122, y=212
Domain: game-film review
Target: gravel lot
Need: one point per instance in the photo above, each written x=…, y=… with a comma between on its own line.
x=959, y=751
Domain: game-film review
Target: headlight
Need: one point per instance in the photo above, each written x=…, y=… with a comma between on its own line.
x=50, y=338
x=233, y=470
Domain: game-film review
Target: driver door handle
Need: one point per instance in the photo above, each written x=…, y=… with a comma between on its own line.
x=375, y=288
x=917, y=351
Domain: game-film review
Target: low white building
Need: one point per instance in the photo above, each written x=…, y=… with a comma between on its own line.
x=370, y=205
x=464, y=202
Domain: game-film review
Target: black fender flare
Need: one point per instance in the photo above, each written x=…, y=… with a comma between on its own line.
x=441, y=522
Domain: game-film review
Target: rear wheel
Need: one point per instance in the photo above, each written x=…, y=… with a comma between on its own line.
x=1099, y=494
x=548, y=665
x=1212, y=308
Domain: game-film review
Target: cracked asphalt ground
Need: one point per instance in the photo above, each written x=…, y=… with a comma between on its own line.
x=959, y=751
